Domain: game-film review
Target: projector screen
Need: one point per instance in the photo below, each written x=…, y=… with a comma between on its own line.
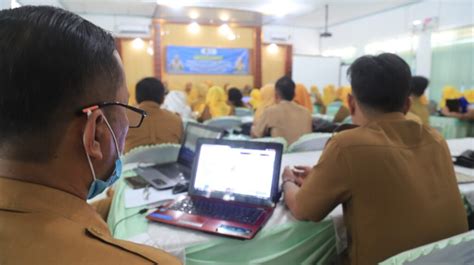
x=316, y=70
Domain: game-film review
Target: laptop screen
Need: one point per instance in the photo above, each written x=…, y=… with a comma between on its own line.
x=192, y=134
x=236, y=172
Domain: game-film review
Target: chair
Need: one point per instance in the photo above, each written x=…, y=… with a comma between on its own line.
x=347, y=120
x=242, y=112
x=152, y=154
x=310, y=142
x=333, y=108
x=186, y=121
x=279, y=140
x=228, y=123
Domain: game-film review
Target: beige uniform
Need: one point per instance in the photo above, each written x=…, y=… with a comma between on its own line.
x=397, y=185
x=285, y=119
x=420, y=110
x=159, y=127
x=42, y=225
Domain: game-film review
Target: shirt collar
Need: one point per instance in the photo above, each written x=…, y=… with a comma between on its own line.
x=28, y=197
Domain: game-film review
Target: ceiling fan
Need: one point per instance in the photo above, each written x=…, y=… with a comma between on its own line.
x=326, y=33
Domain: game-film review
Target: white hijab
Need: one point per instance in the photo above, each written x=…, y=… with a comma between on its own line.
x=175, y=101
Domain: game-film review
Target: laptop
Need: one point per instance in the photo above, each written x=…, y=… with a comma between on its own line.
x=233, y=189
x=167, y=175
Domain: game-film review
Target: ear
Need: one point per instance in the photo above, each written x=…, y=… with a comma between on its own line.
x=407, y=105
x=91, y=135
x=352, y=104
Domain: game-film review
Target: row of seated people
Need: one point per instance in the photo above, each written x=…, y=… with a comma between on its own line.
x=393, y=176
x=280, y=110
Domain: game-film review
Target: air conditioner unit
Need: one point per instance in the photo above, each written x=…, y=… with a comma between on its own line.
x=276, y=37
x=133, y=30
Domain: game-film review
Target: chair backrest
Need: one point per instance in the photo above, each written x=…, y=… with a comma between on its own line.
x=279, y=140
x=152, y=154
x=242, y=112
x=310, y=142
x=347, y=120
x=333, y=108
x=227, y=123
x=188, y=120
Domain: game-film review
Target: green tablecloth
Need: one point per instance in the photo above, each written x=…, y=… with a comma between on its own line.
x=131, y=226
x=452, y=128
x=292, y=243
x=434, y=248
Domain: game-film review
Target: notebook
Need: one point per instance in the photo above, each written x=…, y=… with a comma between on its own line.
x=167, y=175
x=233, y=189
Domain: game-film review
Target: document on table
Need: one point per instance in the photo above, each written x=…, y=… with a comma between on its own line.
x=146, y=196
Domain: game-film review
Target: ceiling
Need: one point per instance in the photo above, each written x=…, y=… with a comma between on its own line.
x=297, y=13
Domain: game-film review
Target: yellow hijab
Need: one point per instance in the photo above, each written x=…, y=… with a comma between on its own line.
x=469, y=95
x=449, y=92
x=343, y=95
x=216, y=99
x=255, y=98
x=329, y=94
x=302, y=97
x=197, y=97
x=267, y=96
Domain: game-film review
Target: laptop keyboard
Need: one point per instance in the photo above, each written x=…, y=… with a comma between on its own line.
x=173, y=170
x=218, y=210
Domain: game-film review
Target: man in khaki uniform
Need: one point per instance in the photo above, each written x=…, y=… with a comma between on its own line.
x=284, y=119
x=63, y=126
x=393, y=176
x=418, y=108
x=161, y=126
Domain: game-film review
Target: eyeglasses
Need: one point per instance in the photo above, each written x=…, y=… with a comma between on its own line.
x=135, y=115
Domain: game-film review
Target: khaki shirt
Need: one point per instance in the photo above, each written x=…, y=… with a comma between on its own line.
x=285, y=119
x=159, y=127
x=397, y=185
x=42, y=225
x=420, y=110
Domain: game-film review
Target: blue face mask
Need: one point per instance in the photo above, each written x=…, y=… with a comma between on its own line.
x=98, y=186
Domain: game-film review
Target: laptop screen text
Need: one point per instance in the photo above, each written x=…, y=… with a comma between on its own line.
x=235, y=171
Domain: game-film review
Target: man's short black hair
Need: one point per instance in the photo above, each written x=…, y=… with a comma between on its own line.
x=235, y=96
x=419, y=85
x=52, y=63
x=381, y=82
x=150, y=89
x=285, y=87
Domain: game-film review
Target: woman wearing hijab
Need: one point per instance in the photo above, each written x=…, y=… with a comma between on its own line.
x=255, y=98
x=216, y=104
x=302, y=97
x=267, y=97
x=175, y=101
x=197, y=98
x=318, y=99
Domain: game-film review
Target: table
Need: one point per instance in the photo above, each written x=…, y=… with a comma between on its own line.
x=452, y=128
x=283, y=233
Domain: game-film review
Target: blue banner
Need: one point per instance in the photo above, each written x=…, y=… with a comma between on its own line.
x=203, y=60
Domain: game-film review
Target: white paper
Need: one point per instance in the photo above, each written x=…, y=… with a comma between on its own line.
x=138, y=197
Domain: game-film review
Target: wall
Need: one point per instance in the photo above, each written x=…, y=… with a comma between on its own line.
x=398, y=22
x=273, y=63
x=304, y=40
x=5, y=4
x=177, y=34
x=137, y=65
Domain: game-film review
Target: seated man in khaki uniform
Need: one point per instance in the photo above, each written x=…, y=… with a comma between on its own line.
x=393, y=176
x=418, y=107
x=286, y=118
x=63, y=126
x=161, y=126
